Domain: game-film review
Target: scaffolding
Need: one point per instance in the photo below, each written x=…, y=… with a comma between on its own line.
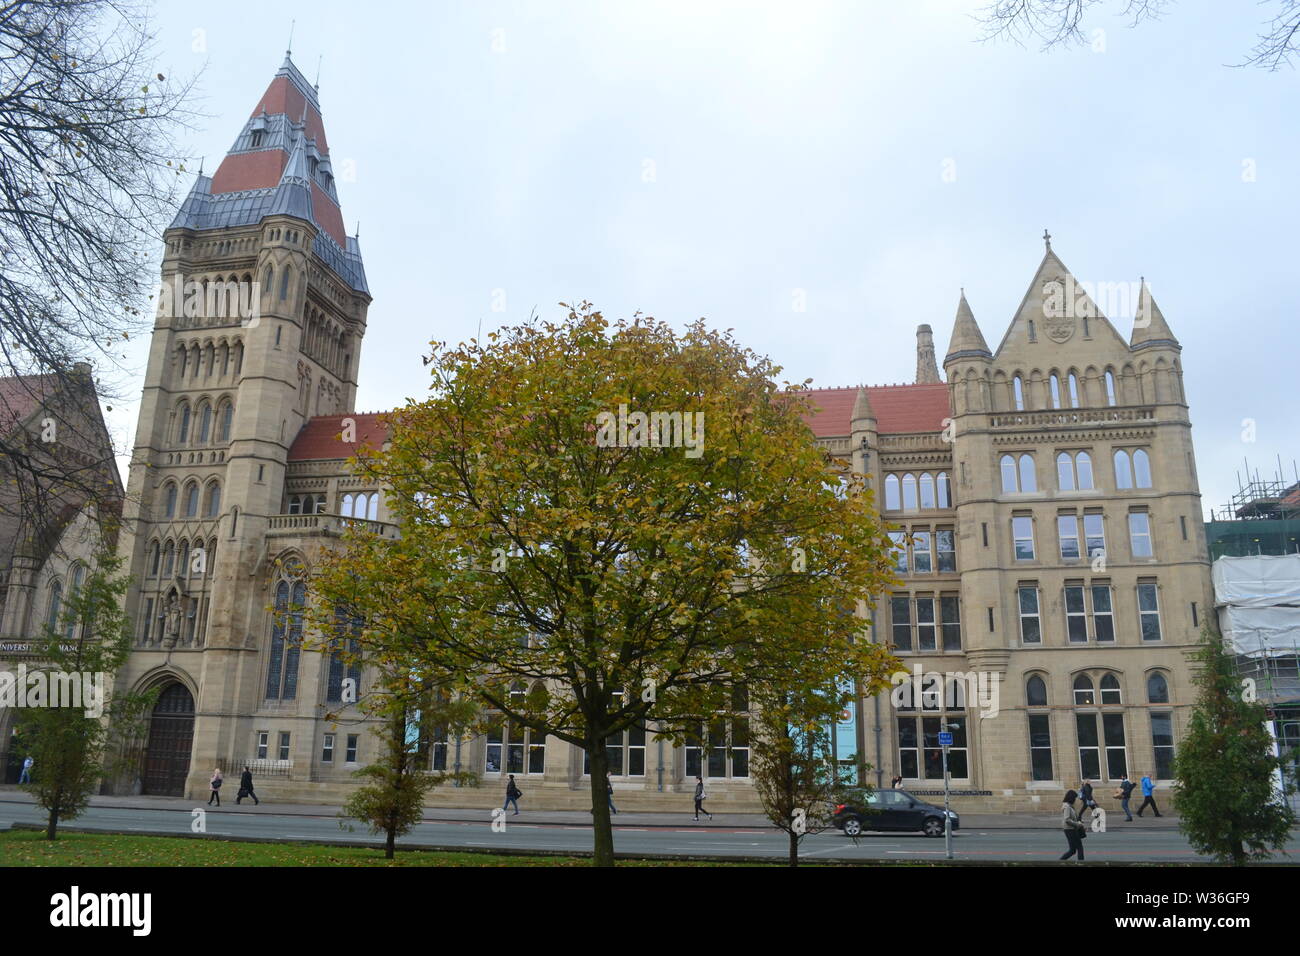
x=1263, y=517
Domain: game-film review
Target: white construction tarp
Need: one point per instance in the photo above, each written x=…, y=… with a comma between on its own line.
x=1261, y=631
x=1257, y=581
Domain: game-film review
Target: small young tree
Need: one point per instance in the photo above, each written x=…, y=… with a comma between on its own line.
x=68, y=743
x=1224, y=785
x=392, y=801
x=792, y=769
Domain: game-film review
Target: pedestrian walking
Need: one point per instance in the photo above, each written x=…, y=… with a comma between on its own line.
x=513, y=793
x=26, y=775
x=215, y=783
x=1148, y=795
x=609, y=789
x=246, y=787
x=1073, y=827
x=700, y=795
x=1126, y=788
x=1085, y=794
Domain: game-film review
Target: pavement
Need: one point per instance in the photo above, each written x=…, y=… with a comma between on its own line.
x=969, y=821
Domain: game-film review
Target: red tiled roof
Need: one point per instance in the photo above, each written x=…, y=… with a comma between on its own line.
x=21, y=394
x=319, y=439
x=283, y=97
x=900, y=409
x=240, y=171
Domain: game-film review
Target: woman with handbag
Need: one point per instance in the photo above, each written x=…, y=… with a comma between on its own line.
x=215, y=783
x=1073, y=827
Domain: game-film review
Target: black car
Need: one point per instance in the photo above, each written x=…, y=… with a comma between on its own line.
x=892, y=810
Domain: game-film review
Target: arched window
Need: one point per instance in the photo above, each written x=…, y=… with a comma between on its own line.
x=169, y=559
x=284, y=283
x=56, y=604
x=1009, y=485
x=1083, y=464
x=214, y=500
x=268, y=280
x=1157, y=689
x=205, y=423
x=227, y=419
x=1019, y=389
x=183, y=558
x=1110, y=387
x=295, y=505
x=154, y=556
x=1083, y=693
x=909, y=492
x=945, y=491
x=1141, y=469
x=183, y=434
x=372, y=509
x=184, y=360
x=1123, y=472
x=1064, y=472
x=927, y=490
x=1055, y=384
x=346, y=510
x=191, y=500
x=170, y=510
x=1110, y=689
x=1036, y=691
x=892, y=500
x=1027, y=480
x=75, y=577
x=1074, y=390
x=286, y=641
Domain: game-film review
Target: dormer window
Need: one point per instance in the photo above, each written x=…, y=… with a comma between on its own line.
x=256, y=141
x=314, y=165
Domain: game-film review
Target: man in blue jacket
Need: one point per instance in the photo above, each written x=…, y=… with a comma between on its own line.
x=1148, y=795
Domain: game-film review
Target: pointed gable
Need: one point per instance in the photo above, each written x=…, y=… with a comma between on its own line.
x=1056, y=304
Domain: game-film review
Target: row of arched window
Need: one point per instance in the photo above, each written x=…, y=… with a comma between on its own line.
x=1074, y=471
x=324, y=341
x=204, y=423
x=910, y=492
x=185, y=559
x=222, y=359
x=1086, y=694
x=1058, y=396
x=184, y=501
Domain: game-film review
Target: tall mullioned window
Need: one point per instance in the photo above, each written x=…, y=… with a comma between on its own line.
x=286, y=641
x=1031, y=631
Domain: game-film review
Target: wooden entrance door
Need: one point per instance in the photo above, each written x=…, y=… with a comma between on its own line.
x=171, y=735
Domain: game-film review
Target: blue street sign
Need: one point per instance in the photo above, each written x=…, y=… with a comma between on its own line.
x=945, y=739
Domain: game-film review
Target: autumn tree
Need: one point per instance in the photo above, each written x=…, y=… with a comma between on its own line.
x=793, y=768
x=404, y=707
x=607, y=526
x=67, y=731
x=1228, y=804
x=89, y=172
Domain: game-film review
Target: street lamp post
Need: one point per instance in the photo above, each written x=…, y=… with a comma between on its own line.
x=947, y=816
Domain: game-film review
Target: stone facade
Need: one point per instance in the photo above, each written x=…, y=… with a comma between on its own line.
x=239, y=478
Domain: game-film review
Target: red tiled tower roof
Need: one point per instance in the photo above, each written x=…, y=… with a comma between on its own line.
x=320, y=439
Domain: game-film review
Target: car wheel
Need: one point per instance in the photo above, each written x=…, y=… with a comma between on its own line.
x=932, y=827
x=852, y=827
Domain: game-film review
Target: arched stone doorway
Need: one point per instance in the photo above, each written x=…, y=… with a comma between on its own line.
x=171, y=735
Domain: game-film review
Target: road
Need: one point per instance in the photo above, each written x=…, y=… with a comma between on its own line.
x=1121, y=843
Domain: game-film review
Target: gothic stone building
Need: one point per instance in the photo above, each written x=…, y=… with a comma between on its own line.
x=1063, y=442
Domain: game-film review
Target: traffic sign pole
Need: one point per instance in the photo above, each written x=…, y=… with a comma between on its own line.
x=945, y=740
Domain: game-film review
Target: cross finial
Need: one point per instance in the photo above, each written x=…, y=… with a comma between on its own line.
x=1047, y=238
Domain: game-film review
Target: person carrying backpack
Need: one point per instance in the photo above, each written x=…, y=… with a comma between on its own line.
x=513, y=793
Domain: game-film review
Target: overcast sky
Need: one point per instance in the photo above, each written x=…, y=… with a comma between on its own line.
x=690, y=158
